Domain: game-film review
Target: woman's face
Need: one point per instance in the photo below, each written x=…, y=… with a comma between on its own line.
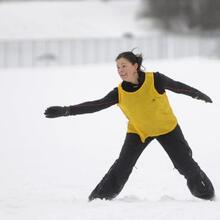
x=127, y=71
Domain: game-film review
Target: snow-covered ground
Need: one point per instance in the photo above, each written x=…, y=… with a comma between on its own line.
x=57, y=19
x=48, y=167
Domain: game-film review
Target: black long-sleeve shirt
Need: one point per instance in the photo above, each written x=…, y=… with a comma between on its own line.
x=161, y=83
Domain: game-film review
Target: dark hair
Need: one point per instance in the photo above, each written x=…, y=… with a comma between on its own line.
x=132, y=58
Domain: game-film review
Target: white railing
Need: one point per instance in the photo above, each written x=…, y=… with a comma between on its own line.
x=33, y=53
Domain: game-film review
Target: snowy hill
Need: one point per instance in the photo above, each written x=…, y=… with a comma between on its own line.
x=79, y=19
x=49, y=167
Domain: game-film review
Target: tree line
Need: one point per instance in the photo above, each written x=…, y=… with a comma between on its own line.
x=200, y=14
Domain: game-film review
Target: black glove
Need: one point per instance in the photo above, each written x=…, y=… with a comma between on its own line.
x=204, y=97
x=57, y=111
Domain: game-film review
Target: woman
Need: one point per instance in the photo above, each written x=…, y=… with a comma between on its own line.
x=142, y=98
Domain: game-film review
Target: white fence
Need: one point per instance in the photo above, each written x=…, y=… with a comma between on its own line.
x=31, y=53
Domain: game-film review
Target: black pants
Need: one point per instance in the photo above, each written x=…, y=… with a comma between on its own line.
x=179, y=152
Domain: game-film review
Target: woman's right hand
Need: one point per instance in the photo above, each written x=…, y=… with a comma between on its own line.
x=57, y=111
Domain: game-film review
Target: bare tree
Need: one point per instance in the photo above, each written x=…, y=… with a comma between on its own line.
x=202, y=14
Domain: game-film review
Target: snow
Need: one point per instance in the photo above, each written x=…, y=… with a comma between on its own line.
x=43, y=20
x=48, y=167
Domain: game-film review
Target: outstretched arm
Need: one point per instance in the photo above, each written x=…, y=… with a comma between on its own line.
x=87, y=107
x=165, y=82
